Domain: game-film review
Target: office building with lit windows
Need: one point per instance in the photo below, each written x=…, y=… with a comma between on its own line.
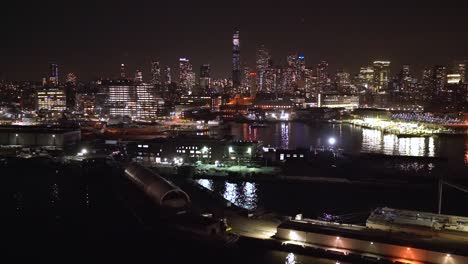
x=156, y=79
x=53, y=74
x=263, y=63
x=236, y=68
x=186, y=76
x=51, y=99
x=205, y=77
x=381, y=76
x=138, y=101
x=366, y=77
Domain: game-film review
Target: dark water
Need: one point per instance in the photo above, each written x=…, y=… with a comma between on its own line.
x=314, y=199
x=55, y=212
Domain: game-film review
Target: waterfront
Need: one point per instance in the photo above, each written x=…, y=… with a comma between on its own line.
x=314, y=199
x=354, y=140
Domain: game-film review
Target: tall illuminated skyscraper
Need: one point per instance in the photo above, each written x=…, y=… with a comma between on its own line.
x=186, y=76
x=205, y=77
x=71, y=78
x=156, y=74
x=53, y=74
x=322, y=74
x=440, y=78
x=236, y=68
x=366, y=77
x=167, y=75
x=138, y=76
x=381, y=75
x=460, y=68
x=263, y=63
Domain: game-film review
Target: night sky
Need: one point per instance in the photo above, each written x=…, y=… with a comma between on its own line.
x=93, y=39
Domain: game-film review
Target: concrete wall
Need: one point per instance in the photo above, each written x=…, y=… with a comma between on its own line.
x=40, y=139
x=382, y=249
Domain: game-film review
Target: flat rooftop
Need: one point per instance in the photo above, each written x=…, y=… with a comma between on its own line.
x=37, y=129
x=437, y=244
x=439, y=222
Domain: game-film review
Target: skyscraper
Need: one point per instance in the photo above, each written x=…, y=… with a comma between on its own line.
x=322, y=74
x=342, y=81
x=205, y=77
x=138, y=101
x=53, y=74
x=71, y=78
x=156, y=74
x=381, y=76
x=263, y=63
x=138, y=76
x=236, y=70
x=460, y=68
x=366, y=77
x=167, y=75
x=405, y=71
x=440, y=77
x=186, y=76
x=427, y=83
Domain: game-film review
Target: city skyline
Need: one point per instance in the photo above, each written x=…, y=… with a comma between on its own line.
x=340, y=36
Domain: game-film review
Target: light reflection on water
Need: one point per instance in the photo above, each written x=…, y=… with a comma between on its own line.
x=243, y=194
x=378, y=142
x=284, y=135
x=208, y=184
x=290, y=259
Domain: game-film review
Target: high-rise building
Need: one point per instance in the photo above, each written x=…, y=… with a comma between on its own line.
x=381, y=76
x=51, y=99
x=205, y=77
x=236, y=68
x=138, y=101
x=138, y=76
x=123, y=75
x=366, y=77
x=460, y=68
x=167, y=75
x=156, y=79
x=53, y=74
x=343, y=81
x=186, y=76
x=71, y=78
x=289, y=80
x=439, y=78
x=249, y=82
x=405, y=71
x=427, y=83
x=322, y=75
x=263, y=62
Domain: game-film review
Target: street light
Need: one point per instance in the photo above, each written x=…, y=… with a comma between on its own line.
x=332, y=141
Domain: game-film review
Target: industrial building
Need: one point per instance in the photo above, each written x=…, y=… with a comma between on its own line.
x=190, y=149
x=390, y=234
x=38, y=136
